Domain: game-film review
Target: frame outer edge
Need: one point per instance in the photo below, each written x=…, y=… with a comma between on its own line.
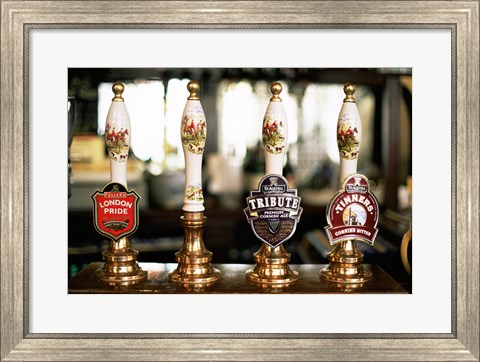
x=12, y=191
x=12, y=184
x=227, y=14
x=468, y=169
x=234, y=349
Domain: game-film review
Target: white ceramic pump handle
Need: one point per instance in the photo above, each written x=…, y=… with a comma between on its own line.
x=193, y=132
x=275, y=132
x=117, y=136
x=349, y=133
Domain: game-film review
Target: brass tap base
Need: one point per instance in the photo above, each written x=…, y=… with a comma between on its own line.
x=345, y=287
x=121, y=267
x=185, y=279
x=346, y=275
x=272, y=267
x=346, y=265
x=194, y=259
x=121, y=280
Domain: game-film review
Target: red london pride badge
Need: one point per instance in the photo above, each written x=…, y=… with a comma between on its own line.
x=353, y=212
x=115, y=212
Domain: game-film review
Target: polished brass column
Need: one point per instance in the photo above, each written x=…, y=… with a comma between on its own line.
x=194, y=259
x=121, y=267
x=346, y=264
x=272, y=266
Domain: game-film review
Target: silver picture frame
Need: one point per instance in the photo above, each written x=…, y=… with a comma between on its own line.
x=460, y=17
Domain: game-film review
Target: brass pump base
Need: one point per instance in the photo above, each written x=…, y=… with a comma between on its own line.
x=194, y=259
x=272, y=267
x=346, y=265
x=121, y=267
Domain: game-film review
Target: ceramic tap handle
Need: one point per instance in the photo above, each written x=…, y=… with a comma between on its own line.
x=193, y=133
x=275, y=132
x=349, y=133
x=117, y=136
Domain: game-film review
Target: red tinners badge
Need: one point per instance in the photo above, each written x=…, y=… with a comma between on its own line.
x=353, y=212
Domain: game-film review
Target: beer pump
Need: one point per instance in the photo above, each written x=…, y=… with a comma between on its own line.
x=273, y=210
x=194, y=267
x=116, y=208
x=352, y=214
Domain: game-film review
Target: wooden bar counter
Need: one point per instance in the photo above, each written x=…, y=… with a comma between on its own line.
x=232, y=282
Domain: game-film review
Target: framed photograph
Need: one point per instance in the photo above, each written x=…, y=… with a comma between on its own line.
x=42, y=40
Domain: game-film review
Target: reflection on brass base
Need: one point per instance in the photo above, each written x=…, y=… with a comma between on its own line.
x=344, y=287
x=272, y=267
x=346, y=265
x=194, y=259
x=121, y=267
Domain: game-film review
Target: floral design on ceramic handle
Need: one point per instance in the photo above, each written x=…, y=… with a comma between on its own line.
x=275, y=132
x=349, y=132
x=117, y=136
x=194, y=192
x=193, y=132
x=117, y=143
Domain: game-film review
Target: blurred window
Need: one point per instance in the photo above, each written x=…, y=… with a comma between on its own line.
x=175, y=100
x=312, y=121
x=317, y=145
x=312, y=112
x=155, y=114
x=145, y=105
x=241, y=106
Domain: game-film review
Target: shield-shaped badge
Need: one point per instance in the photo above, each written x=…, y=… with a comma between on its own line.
x=273, y=210
x=353, y=212
x=115, y=212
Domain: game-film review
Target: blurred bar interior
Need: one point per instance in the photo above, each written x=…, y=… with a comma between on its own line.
x=234, y=101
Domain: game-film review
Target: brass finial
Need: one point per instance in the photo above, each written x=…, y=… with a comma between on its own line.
x=349, y=90
x=193, y=87
x=118, y=89
x=276, y=89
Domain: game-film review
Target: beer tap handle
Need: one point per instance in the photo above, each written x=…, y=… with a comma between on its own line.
x=349, y=133
x=194, y=269
x=117, y=136
x=121, y=219
x=275, y=132
x=193, y=133
x=272, y=259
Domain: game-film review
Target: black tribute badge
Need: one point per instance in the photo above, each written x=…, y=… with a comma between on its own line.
x=353, y=212
x=115, y=213
x=273, y=210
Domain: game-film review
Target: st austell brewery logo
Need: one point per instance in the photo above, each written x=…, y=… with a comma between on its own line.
x=353, y=212
x=273, y=210
x=115, y=211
